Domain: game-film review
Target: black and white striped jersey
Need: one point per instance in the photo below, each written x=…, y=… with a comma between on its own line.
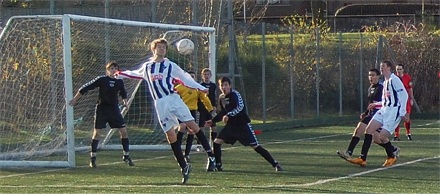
x=160, y=76
x=394, y=93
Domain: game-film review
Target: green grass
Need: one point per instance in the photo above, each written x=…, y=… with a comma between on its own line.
x=307, y=155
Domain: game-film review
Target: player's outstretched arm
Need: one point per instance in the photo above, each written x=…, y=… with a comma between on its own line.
x=75, y=99
x=185, y=78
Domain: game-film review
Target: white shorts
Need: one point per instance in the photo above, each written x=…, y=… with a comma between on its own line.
x=170, y=109
x=389, y=117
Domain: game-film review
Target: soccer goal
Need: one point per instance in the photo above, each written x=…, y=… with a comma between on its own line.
x=45, y=59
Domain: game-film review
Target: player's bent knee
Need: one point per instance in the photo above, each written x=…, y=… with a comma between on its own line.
x=96, y=134
x=219, y=141
x=123, y=132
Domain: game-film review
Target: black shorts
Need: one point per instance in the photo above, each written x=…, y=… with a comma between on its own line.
x=204, y=115
x=367, y=119
x=241, y=133
x=108, y=114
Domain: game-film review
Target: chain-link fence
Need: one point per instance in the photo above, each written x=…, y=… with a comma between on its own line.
x=288, y=71
x=312, y=73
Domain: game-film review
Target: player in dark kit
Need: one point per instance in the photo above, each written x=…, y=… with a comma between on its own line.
x=212, y=95
x=107, y=110
x=238, y=127
x=374, y=99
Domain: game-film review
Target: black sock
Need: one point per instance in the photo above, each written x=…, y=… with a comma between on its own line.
x=177, y=150
x=266, y=155
x=354, y=141
x=389, y=149
x=202, y=138
x=94, y=145
x=180, y=137
x=189, y=143
x=125, y=144
x=213, y=135
x=366, y=146
x=218, y=152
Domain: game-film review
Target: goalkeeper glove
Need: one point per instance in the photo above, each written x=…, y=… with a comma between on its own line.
x=213, y=113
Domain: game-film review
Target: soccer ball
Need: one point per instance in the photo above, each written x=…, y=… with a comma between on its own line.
x=185, y=46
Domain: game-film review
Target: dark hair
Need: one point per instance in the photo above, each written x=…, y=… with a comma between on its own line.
x=400, y=64
x=388, y=63
x=375, y=71
x=111, y=64
x=224, y=79
x=191, y=72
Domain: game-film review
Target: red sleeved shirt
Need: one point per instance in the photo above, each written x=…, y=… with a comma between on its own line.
x=407, y=81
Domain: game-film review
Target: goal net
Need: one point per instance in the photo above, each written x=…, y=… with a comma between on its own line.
x=44, y=60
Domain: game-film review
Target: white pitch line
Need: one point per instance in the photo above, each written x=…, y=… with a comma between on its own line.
x=319, y=182
x=105, y=186
x=30, y=173
x=305, y=139
x=160, y=157
x=60, y=169
x=53, y=170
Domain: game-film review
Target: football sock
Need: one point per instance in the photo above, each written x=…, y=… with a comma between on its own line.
x=177, y=150
x=389, y=154
x=354, y=141
x=266, y=155
x=125, y=145
x=180, y=137
x=94, y=145
x=366, y=146
x=397, y=131
x=408, y=127
x=189, y=143
x=202, y=138
x=213, y=135
x=218, y=152
x=389, y=149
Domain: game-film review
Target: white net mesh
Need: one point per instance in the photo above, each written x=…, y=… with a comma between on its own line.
x=32, y=94
x=31, y=89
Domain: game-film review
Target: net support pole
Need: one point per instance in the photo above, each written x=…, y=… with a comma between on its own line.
x=212, y=55
x=67, y=62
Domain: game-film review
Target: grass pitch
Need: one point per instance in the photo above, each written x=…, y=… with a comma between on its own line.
x=308, y=156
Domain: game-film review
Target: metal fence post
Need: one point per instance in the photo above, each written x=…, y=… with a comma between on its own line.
x=317, y=59
x=263, y=70
x=292, y=85
x=340, y=72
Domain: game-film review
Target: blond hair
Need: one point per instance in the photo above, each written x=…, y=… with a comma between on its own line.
x=154, y=43
x=204, y=70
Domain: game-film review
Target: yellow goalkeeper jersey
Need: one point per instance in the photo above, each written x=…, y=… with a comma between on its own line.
x=191, y=96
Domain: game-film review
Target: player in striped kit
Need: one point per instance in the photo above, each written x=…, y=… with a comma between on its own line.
x=394, y=98
x=407, y=82
x=159, y=72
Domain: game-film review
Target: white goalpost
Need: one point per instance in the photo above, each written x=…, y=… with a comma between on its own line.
x=45, y=59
